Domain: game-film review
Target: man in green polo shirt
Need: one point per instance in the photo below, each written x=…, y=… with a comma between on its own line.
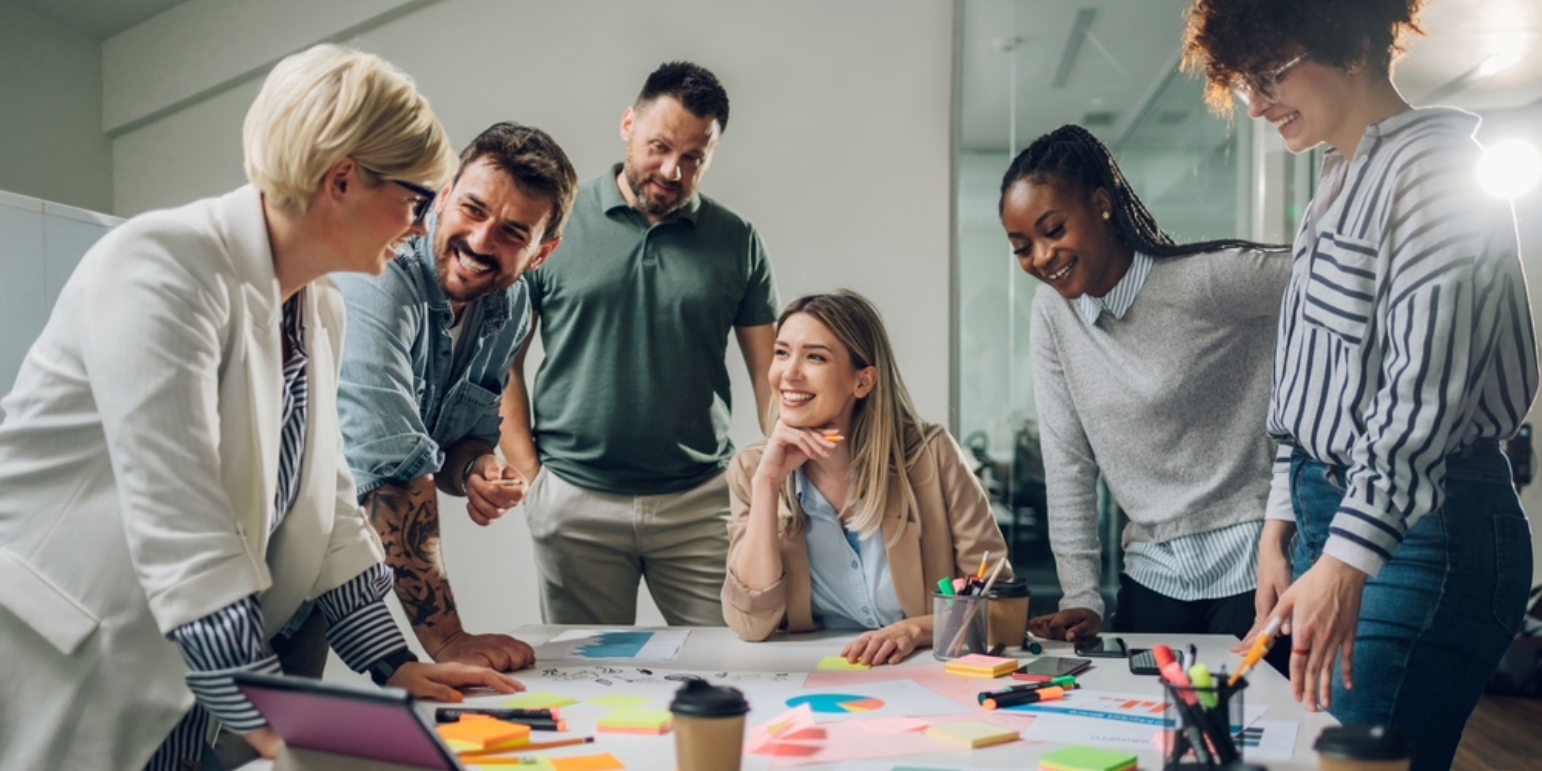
x=631, y=405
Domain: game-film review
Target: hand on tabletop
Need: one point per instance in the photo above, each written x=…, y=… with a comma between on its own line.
x=440, y=681
x=1074, y=625
x=787, y=448
x=1324, y=608
x=492, y=488
x=499, y=652
x=265, y=741
x=889, y=645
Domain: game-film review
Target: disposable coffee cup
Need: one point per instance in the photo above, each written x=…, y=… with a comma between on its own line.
x=1008, y=618
x=709, y=726
x=1362, y=748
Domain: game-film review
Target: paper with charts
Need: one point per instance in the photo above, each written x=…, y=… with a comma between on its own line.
x=894, y=698
x=639, y=644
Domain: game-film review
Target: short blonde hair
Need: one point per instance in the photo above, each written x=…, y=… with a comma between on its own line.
x=327, y=103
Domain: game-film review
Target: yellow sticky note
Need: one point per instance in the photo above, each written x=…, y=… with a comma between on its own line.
x=641, y=721
x=840, y=662
x=539, y=700
x=971, y=734
x=619, y=700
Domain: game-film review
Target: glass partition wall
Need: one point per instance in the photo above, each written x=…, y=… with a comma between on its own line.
x=1026, y=67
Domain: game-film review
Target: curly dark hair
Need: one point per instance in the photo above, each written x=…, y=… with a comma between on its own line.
x=1228, y=40
x=1071, y=155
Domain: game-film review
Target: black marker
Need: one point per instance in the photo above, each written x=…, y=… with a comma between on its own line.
x=453, y=714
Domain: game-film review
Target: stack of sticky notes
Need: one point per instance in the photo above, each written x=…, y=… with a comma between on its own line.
x=1086, y=759
x=482, y=733
x=539, y=700
x=839, y=664
x=980, y=665
x=971, y=734
x=636, y=721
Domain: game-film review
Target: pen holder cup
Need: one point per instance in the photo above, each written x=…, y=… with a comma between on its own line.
x=958, y=625
x=1210, y=716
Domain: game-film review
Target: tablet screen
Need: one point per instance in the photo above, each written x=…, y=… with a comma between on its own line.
x=346, y=720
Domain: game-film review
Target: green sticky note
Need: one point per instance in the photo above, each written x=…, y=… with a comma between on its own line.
x=636, y=718
x=619, y=700
x=1086, y=759
x=839, y=662
x=539, y=700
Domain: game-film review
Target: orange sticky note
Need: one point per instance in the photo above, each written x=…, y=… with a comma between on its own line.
x=603, y=761
x=480, y=733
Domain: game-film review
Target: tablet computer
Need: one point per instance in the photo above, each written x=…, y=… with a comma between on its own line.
x=372, y=723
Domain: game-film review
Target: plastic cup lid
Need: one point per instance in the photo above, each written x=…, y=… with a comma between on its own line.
x=699, y=698
x=1363, y=742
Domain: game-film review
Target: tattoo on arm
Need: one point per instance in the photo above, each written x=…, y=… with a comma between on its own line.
x=407, y=519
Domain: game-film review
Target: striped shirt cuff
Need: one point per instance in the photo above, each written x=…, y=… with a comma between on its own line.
x=359, y=625
x=1361, y=539
x=217, y=692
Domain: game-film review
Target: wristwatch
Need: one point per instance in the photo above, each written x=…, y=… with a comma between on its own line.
x=382, y=669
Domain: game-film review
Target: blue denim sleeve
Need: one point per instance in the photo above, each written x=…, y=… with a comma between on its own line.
x=384, y=437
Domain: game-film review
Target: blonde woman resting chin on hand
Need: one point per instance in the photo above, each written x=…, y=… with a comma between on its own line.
x=852, y=508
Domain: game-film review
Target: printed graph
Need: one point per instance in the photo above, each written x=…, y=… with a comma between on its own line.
x=837, y=703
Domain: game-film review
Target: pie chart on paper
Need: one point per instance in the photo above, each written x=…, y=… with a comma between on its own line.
x=836, y=703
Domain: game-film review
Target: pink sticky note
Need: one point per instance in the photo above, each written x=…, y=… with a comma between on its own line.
x=891, y=725
x=784, y=725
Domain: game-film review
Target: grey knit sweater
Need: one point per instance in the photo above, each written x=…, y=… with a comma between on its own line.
x=1167, y=403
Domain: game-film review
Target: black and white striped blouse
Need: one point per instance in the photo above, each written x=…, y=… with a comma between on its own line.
x=1405, y=332
x=230, y=640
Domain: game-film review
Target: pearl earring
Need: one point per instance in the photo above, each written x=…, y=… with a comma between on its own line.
x=1105, y=215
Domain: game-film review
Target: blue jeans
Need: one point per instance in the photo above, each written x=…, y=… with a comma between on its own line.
x=1436, y=619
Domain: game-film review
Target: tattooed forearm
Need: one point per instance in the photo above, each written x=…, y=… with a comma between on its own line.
x=407, y=519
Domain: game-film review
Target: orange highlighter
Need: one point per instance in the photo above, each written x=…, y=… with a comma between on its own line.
x=1260, y=648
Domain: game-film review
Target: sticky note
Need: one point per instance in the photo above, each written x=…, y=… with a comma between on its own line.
x=1086, y=759
x=480, y=733
x=636, y=721
x=971, y=734
x=604, y=761
x=840, y=663
x=618, y=700
x=891, y=725
x=980, y=665
x=539, y=700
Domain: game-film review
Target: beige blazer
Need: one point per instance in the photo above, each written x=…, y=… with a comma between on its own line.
x=138, y=461
x=956, y=528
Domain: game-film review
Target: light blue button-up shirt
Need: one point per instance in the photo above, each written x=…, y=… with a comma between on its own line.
x=405, y=393
x=849, y=574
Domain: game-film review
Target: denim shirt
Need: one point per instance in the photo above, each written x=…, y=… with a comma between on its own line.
x=404, y=395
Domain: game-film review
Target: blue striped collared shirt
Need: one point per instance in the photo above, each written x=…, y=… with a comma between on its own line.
x=1406, y=331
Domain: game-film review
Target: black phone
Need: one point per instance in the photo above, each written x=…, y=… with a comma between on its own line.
x=1143, y=662
x=1105, y=647
x=1046, y=667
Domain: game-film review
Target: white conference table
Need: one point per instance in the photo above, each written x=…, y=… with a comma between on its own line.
x=715, y=650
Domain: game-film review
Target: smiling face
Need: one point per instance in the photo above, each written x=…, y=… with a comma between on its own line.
x=816, y=382
x=1313, y=106
x=1060, y=236
x=489, y=232
x=382, y=218
x=668, y=149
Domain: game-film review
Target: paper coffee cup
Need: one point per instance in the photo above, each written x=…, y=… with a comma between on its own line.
x=709, y=726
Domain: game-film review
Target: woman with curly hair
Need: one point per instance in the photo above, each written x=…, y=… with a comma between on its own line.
x=1405, y=356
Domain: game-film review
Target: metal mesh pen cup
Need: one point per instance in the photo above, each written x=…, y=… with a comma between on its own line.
x=959, y=624
x=1203, y=726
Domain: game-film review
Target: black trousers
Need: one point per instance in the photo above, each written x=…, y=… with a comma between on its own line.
x=1141, y=610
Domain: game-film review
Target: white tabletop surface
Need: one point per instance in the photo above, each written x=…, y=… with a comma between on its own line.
x=715, y=650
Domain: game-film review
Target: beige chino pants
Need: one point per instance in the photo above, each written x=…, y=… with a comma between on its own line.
x=591, y=548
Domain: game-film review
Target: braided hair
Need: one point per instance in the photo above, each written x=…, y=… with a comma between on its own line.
x=1073, y=155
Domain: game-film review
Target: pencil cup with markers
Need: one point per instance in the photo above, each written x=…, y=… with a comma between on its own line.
x=1202, y=725
x=959, y=623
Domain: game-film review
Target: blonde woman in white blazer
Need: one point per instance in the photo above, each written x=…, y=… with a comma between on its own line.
x=170, y=492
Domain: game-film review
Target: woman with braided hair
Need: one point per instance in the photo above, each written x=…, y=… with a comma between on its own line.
x=1151, y=369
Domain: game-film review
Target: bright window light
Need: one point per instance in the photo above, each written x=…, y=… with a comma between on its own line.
x=1509, y=168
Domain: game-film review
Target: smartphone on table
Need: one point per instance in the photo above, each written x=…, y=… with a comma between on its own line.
x=1103, y=647
x=1050, y=667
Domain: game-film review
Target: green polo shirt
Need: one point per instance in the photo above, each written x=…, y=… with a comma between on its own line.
x=633, y=397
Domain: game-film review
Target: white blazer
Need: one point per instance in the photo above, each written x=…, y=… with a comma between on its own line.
x=138, y=462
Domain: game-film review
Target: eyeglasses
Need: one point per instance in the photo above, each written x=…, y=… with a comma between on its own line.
x=419, y=209
x=1265, y=86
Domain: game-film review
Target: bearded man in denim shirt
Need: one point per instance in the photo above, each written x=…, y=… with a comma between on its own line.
x=426, y=358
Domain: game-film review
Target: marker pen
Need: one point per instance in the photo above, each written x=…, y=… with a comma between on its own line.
x=453, y=714
x=1014, y=698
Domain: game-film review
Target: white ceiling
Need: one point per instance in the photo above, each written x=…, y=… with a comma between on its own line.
x=1133, y=46
x=100, y=19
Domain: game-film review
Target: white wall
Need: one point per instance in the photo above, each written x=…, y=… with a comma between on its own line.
x=51, y=141
x=837, y=149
